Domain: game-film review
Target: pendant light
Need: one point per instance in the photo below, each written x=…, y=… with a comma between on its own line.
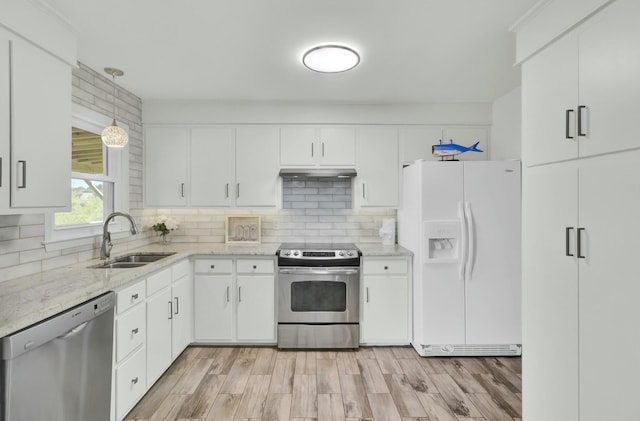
x=114, y=136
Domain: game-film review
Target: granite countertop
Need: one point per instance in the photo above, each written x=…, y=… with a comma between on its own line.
x=29, y=299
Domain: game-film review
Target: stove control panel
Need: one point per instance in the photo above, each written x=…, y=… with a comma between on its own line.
x=318, y=254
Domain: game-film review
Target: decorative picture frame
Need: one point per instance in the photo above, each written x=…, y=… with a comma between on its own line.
x=244, y=229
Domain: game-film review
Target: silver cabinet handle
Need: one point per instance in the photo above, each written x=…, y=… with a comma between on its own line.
x=239, y=294
x=226, y=196
x=170, y=310
x=367, y=288
x=323, y=149
x=134, y=380
x=228, y=288
x=177, y=303
x=134, y=296
x=134, y=331
x=363, y=195
x=311, y=149
x=182, y=190
x=237, y=190
x=22, y=171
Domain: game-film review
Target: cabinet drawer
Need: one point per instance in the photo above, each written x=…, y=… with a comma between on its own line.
x=384, y=267
x=254, y=266
x=180, y=270
x=158, y=281
x=130, y=382
x=130, y=296
x=130, y=332
x=213, y=266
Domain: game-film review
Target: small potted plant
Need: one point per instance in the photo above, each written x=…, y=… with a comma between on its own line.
x=163, y=225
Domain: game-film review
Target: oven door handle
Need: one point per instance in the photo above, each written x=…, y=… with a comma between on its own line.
x=325, y=271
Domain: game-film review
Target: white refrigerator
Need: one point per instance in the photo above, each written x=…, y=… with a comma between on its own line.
x=461, y=220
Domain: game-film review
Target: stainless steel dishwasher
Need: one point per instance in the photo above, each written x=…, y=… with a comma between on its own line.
x=60, y=368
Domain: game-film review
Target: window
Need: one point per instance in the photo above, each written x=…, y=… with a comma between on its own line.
x=99, y=184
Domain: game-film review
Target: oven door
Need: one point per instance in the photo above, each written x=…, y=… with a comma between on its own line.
x=318, y=295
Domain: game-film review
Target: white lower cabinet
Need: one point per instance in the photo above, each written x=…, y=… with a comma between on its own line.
x=386, y=304
x=129, y=361
x=234, y=300
x=130, y=383
x=168, y=318
x=153, y=325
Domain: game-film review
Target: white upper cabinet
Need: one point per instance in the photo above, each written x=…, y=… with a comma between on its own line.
x=213, y=166
x=549, y=100
x=256, y=166
x=416, y=142
x=377, y=183
x=609, y=80
x=166, y=166
x=580, y=94
x=310, y=146
x=35, y=128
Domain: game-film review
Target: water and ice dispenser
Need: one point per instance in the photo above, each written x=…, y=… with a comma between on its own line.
x=442, y=239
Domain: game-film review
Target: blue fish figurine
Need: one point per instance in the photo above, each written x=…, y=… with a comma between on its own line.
x=450, y=149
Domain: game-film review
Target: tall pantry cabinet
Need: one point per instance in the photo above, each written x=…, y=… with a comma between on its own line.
x=581, y=201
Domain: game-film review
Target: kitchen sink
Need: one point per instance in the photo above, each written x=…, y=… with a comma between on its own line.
x=132, y=260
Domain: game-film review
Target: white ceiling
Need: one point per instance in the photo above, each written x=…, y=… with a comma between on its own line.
x=412, y=51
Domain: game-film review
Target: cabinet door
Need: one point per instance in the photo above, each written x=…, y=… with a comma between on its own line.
x=467, y=137
x=5, y=113
x=257, y=166
x=298, y=146
x=212, y=167
x=609, y=288
x=550, y=294
x=213, y=308
x=40, y=129
x=337, y=146
x=416, y=143
x=256, y=308
x=165, y=166
x=378, y=173
x=159, y=315
x=610, y=79
x=182, y=311
x=385, y=309
x=549, y=101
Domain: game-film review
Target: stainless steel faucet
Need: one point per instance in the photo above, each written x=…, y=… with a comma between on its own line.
x=105, y=249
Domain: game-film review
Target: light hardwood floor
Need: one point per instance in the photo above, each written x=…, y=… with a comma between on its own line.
x=379, y=383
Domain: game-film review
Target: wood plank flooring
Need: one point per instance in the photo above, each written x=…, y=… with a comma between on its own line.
x=379, y=384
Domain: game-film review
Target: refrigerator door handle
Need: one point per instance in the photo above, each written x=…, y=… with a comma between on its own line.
x=468, y=270
x=463, y=240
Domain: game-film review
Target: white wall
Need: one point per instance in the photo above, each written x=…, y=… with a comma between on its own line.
x=210, y=112
x=506, y=127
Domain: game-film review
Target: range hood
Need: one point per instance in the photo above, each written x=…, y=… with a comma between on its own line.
x=318, y=172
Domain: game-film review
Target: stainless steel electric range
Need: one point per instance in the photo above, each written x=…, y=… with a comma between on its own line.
x=318, y=295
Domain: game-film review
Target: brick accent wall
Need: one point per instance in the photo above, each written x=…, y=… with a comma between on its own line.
x=22, y=236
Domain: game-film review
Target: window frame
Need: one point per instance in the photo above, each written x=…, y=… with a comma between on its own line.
x=117, y=168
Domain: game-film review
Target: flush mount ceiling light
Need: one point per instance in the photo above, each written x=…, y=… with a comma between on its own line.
x=330, y=58
x=114, y=136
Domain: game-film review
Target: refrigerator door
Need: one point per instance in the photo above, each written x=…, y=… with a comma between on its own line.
x=492, y=286
x=442, y=289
